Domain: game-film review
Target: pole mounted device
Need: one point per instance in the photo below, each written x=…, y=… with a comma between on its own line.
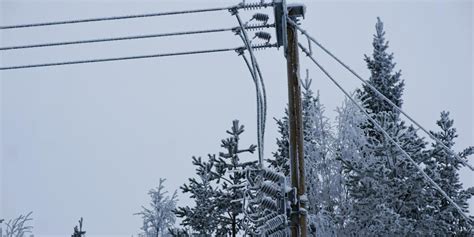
x=287, y=36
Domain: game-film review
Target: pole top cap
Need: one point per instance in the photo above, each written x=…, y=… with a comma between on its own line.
x=296, y=10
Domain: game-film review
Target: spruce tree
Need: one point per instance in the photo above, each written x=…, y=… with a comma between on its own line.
x=386, y=190
x=444, y=169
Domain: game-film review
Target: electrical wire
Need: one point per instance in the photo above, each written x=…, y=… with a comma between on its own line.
x=385, y=133
x=261, y=106
x=130, y=57
x=76, y=21
x=131, y=37
x=382, y=96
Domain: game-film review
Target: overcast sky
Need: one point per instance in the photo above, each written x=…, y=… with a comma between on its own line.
x=91, y=140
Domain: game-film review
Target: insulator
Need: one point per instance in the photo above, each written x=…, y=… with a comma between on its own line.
x=273, y=223
x=264, y=219
x=262, y=46
x=253, y=6
x=251, y=27
x=279, y=233
x=263, y=35
x=261, y=17
x=269, y=204
x=270, y=189
x=273, y=176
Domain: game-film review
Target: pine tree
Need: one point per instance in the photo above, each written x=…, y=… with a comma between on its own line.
x=218, y=208
x=78, y=232
x=159, y=217
x=201, y=218
x=444, y=169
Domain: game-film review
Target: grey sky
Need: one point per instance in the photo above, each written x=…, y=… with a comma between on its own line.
x=91, y=140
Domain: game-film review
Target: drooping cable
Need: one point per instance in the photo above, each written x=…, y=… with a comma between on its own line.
x=110, y=18
x=385, y=133
x=130, y=37
x=261, y=107
x=130, y=57
x=382, y=96
x=259, y=104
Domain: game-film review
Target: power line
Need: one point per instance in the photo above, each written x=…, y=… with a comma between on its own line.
x=385, y=133
x=382, y=96
x=76, y=21
x=257, y=77
x=130, y=57
x=130, y=37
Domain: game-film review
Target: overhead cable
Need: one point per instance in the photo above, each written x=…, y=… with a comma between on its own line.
x=385, y=133
x=256, y=73
x=382, y=96
x=76, y=21
x=130, y=57
x=131, y=37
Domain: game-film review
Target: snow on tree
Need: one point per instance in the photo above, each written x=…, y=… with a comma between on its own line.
x=232, y=184
x=218, y=209
x=382, y=77
x=18, y=227
x=159, y=216
x=78, y=232
x=201, y=218
x=387, y=192
x=324, y=183
x=444, y=170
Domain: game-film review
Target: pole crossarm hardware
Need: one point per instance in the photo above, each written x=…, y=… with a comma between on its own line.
x=110, y=18
x=390, y=138
x=148, y=36
x=134, y=57
x=382, y=96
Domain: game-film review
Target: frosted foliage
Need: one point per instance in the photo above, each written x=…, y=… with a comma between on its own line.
x=217, y=194
x=444, y=170
x=159, y=216
x=18, y=227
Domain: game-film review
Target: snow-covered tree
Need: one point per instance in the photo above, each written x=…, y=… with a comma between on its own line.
x=387, y=192
x=324, y=183
x=444, y=170
x=78, y=232
x=382, y=76
x=159, y=216
x=18, y=227
x=218, y=209
x=202, y=217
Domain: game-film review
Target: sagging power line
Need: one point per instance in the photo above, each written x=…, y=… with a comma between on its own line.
x=111, y=18
x=134, y=37
x=133, y=57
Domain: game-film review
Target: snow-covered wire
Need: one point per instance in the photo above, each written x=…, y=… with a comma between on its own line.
x=382, y=96
x=134, y=37
x=256, y=73
x=385, y=133
x=156, y=14
x=259, y=105
x=131, y=57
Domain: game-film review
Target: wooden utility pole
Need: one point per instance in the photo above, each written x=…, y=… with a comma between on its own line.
x=298, y=217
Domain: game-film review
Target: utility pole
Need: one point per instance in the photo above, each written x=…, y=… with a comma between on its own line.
x=298, y=215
